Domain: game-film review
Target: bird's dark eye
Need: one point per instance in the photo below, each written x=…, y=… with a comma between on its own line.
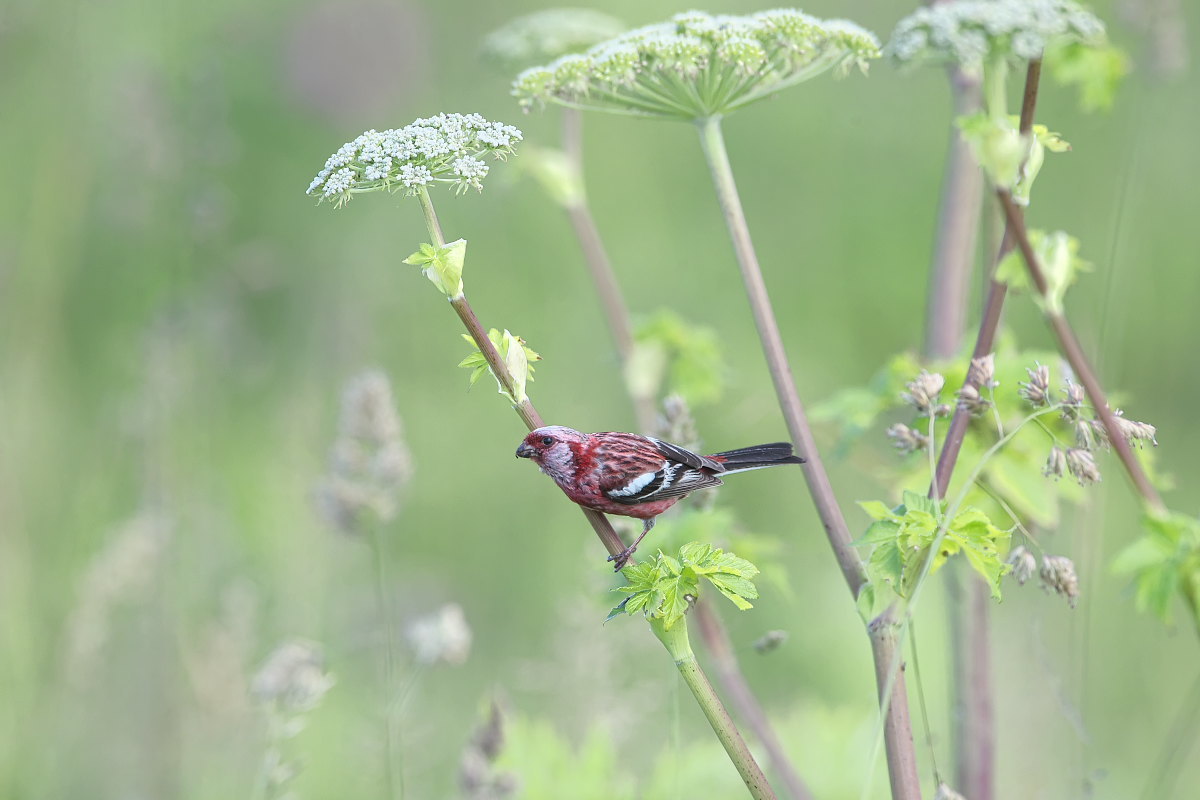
x=547, y=440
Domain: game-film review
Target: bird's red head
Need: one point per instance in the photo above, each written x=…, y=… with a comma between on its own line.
x=554, y=449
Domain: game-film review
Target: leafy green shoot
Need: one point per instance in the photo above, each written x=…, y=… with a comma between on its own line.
x=666, y=587
x=518, y=357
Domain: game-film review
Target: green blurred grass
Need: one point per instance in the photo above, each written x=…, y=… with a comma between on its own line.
x=178, y=320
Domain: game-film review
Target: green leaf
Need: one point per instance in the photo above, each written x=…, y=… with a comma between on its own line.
x=886, y=564
x=442, y=265
x=917, y=501
x=1057, y=254
x=1095, y=69
x=671, y=355
x=661, y=588
x=876, y=509
x=883, y=530
x=517, y=357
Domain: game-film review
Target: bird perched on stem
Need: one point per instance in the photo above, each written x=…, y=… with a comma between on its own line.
x=637, y=476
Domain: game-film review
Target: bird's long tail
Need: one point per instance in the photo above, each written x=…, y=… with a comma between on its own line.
x=757, y=457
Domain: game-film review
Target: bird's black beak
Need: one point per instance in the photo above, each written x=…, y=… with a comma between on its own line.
x=525, y=451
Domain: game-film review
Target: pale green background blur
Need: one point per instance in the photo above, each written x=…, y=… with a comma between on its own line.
x=178, y=321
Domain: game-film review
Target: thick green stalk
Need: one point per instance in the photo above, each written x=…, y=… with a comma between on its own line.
x=902, y=763
x=677, y=644
x=525, y=409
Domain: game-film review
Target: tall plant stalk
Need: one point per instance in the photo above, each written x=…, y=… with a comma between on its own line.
x=685, y=660
x=973, y=720
x=901, y=754
x=616, y=313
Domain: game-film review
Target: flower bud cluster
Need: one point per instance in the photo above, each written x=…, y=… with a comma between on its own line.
x=970, y=32
x=905, y=439
x=448, y=148
x=1058, y=575
x=923, y=392
x=980, y=378
x=696, y=65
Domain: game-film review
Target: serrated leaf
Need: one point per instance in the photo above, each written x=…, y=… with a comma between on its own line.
x=876, y=509
x=886, y=564
x=733, y=584
x=916, y=501
x=1057, y=253
x=883, y=530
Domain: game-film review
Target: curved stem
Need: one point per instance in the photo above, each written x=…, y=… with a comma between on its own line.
x=616, y=313
x=902, y=765
x=729, y=673
x=676, y=642
x=525, y=409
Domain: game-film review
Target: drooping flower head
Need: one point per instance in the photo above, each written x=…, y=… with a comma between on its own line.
x=546, y=35
x=448, y=148
x=971, y=32
x=698, y=65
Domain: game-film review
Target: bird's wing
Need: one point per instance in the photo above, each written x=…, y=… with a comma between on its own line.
x=643, y=470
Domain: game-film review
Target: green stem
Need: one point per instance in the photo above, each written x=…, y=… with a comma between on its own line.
x=525, y=409
x=393, y=767
x=677, y=644
x=902, y=764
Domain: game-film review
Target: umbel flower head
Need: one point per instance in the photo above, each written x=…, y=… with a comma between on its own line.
x=970, y=32
x=698, y=65
x=546, y=35
x=448, y=148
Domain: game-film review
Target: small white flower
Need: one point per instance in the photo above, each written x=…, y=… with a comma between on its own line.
x=415, y=175
x=470, y=167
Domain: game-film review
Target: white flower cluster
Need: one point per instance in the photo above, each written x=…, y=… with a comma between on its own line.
x=442, y=149
x=970, y=31
x=697, y=64
x=548, y=34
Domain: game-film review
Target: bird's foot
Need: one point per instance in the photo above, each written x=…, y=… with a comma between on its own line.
x=622, y=558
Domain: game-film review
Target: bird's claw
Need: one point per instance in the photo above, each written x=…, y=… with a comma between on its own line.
x=621, y=558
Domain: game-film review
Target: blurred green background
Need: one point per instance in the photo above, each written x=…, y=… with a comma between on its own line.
x=179, y=320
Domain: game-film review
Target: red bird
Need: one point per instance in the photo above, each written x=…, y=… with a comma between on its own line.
x=636, y=476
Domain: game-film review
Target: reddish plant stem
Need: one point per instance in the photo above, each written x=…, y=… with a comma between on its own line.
x=616, y=313
x=973, y=717
x=1078, y=360
x=525, y=409
x=729, y=673
x=901, y=755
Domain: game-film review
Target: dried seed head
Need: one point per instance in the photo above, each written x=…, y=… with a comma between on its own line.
x=294, y=677
x=971, y=401
x=1073, y=397
x=1023, y=564
x=369, y=463
x=1037, y=390
x=770, y=640
x=982, y=371
x=441, y=636
x=1056, y=463
x=1082, y=466
x=676, y=423
x=907, y=440
x=1089, y=433
x=1058, y=575
x=923, y=392
x=1137, y=433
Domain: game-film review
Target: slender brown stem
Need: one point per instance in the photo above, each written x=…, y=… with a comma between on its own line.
x=902, y=761
x=616, y=313
x=1078, y=360
x=957, y=228
x=729, y=673
x=972, y=713
x=525, y=409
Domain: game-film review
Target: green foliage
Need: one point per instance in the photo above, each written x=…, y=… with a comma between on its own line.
x=686, y=358
x=1096, y=70
x=1058, y=254
x=1011, y=161
x=518, y=358
x=442, y=265
x=548, y=767
x=664, y=588
x=902, y=539
x=1164, y=562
